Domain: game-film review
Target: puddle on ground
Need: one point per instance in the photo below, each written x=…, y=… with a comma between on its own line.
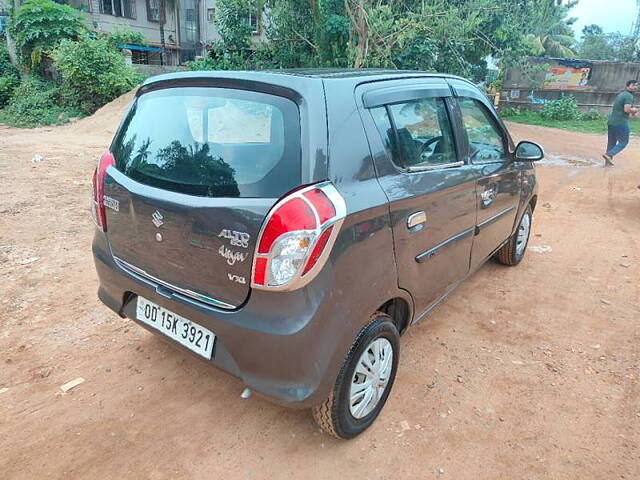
x=558, y=160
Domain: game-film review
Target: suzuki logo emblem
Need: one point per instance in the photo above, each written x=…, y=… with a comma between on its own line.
x=157, y=219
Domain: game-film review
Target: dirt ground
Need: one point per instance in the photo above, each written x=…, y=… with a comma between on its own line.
x=524, y=373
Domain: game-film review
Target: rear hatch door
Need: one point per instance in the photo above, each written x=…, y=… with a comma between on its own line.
x=197, y=170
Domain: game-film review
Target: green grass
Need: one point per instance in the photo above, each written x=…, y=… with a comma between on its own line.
x=583, y=126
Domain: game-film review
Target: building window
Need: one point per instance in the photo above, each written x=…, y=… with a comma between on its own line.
x=119, y=8
x=211, y=15
x=106, y=7
x=153, y=10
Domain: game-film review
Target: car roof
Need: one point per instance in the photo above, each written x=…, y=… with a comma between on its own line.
x=342, y=73
x=295, y=76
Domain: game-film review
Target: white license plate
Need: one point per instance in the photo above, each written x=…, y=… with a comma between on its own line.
x=183, y=331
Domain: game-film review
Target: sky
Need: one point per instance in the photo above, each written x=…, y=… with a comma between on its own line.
x=611, y=15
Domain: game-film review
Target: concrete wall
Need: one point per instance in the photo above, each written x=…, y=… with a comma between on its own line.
x=151, y=70
x=607, y=79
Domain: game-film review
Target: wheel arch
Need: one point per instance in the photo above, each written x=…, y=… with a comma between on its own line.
x=400, y=310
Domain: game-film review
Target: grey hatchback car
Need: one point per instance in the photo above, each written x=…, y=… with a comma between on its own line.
x=287, y=227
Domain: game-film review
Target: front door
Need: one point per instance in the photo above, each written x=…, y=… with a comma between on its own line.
x=498, y=181
x=431, y=191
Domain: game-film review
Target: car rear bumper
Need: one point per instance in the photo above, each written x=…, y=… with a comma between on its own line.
x=287, y=346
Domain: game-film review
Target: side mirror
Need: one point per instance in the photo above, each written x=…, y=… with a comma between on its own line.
x=528, y=152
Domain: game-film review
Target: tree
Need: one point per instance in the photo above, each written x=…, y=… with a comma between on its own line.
x=592, y=29
x=360, y=29
x=10, y=43
x=39, y=25
x=597, y=45
x=9, y=78
x=232, y=19
x=92, y=72
x=551, y=34
x=295, y=41
x=453, y=36
x=449, y=36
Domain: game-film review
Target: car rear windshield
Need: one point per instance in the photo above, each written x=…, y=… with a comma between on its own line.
x=212, y=142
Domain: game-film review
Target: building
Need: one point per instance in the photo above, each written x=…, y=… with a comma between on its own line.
x=181, y=26
x=189, y=26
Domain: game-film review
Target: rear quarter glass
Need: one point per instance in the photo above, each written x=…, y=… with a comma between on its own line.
x=211, y=142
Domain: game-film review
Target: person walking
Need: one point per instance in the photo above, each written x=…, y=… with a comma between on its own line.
x=618, y=125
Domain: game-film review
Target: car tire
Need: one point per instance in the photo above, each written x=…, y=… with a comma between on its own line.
x=377, y=344
x=514, y=250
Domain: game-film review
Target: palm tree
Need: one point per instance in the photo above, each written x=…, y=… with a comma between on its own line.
x=552, y=35
x=552, y=45
x=162, y=16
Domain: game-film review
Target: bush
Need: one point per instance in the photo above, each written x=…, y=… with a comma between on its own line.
x=124, y=36
x=207, y=63
x=7, y=86
x=9, y=78
x=510, y=111
x=33, y=103
x=220, y=59
x=92, y=72
x=6, y=67
x=593, y=115
x=563, y=108
x=39, y=25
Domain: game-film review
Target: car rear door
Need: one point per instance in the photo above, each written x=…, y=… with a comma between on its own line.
x=431, y=190
x=487, y=147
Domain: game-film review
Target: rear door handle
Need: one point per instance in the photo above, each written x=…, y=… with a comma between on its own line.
x=416, y=220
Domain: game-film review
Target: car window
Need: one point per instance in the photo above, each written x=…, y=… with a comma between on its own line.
x=422, y=135
x=383, y=124
x=485, y=140
x=211, y=142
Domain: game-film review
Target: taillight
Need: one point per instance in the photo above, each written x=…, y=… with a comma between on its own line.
x=297, y=237
x=97, y=190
